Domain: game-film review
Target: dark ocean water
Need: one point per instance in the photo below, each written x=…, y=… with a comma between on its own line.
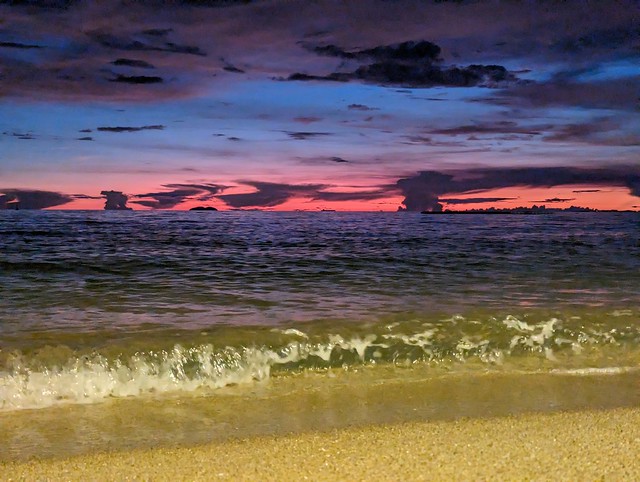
x=97, y=305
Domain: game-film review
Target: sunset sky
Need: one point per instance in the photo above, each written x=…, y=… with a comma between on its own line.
x=347, y=105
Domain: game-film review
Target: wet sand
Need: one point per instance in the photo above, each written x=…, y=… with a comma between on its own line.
x=569, y=445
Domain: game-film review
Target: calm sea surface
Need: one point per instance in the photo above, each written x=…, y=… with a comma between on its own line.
x=104, y=306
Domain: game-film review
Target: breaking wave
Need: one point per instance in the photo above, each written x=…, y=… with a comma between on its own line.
x=55, y=375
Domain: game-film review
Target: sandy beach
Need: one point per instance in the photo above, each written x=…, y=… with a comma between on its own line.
x=579, y=445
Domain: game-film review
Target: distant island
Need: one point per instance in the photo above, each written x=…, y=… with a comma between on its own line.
x=203, y=208
x=532, y=210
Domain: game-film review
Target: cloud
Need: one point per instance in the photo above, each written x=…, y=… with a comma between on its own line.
x=619, y=94
x=361, y=107
x=233, y=69
x=115, y=201
x=607, y=39
x=177, y=194
x=500, y=127
x=587, y=190
x=215, y=3
x=602, y=131
x=131, y=129
x=87, y=138
x=407, y=64
x=33, y=199
x=133, y=63
x=16, y=45
x=27, y=136
x=420, y=51
x=599, y=131
x=476, y=200
x=392, y=73
x=301, y=136
x=307, y=119
x=43, y=4
x=157, y=32
x=555, y=200
x=86, y=196
x=351, y=196
x=269, y=194
x=338, y=159
x=422, y=191
x=137, y=79
x=150, y=44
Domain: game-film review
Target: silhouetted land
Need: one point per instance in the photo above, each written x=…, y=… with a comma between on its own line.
x=203, y=208
x=532, y=210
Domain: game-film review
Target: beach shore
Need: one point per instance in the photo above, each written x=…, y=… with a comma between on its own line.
x=568, y=445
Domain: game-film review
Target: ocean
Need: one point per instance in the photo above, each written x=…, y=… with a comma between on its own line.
x=133, y=329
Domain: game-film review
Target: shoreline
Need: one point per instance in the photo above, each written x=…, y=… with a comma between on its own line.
x=562, y=445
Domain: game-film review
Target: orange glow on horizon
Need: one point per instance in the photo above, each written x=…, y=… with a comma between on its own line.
x=595, y=197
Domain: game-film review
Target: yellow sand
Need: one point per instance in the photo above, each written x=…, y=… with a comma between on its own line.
x=570, y=446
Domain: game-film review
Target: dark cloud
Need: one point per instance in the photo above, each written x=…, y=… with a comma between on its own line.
x=233, y=138
x=86, y=196
x=619, y=94
x=177, y=194
x=420, y=51
x=573, y=132
x=600, y=39
x=599, y=131
x=85, y=130
x=338, y=159
x=501, y=127
x=113, y=42
x=16, y=45
x=131, y=129
x=408, y=64
x=133, y=63
x=166, y=199
x=233, y=69
x=115, y=201
x=587, y=190
x=27, y=136
x=157, y=32
x=555, y=200
x=422, y=191
x=307, y=119
x=476, y=200
x=351, y=196
x=208, y=190
x=269, y=194
x=301, y=136
x=331, y=77
x=32, y=199
x=137, y=79
x=215, y=3
x=44, y=4
x=394, y=73
x=361, y=107
x=84, y=138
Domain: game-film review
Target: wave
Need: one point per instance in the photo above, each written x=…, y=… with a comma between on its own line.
x=57, y=374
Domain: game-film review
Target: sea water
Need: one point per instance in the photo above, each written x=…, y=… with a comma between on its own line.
x=126, y=329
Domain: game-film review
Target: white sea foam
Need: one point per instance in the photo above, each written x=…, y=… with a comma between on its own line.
x=583, y=372
x=35, y=382
x=90, y=379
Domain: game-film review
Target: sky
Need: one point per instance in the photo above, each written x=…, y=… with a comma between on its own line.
x=368, y=105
